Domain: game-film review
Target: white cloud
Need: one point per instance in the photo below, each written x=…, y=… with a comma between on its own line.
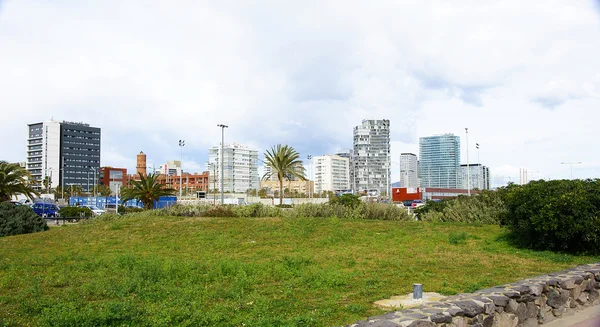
x=305, y=73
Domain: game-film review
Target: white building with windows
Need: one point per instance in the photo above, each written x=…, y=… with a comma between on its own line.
x=409, y=172
x=480, y=176
x=371, y=156
x=332, y=173
x=239, y=170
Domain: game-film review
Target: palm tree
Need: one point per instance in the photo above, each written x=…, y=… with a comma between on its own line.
x=285, y=163
x=147, y=190
x=13, y=181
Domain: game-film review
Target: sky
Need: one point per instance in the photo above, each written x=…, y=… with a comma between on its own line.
x=522, y=76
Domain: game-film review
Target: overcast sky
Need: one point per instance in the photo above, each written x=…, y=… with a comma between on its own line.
x=523, y=76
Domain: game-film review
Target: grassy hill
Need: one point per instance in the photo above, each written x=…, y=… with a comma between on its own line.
x=165, y=271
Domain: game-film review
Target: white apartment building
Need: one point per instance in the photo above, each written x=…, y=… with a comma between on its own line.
x=409, y=172
x=171, y=168
x=480, y=176
x=332, y=173
x=371, y=160
x=239, y=170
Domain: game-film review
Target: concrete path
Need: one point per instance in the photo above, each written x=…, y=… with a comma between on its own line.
x=588, y=317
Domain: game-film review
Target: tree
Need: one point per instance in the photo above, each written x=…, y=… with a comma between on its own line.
x=285, y=163
x=262, y=193
x=147, y=189
x=14, y=181
x=103, y=190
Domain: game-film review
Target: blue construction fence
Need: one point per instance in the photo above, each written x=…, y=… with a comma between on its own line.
x=102, y=201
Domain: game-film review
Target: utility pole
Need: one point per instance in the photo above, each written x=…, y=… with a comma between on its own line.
x=222, y=172
x=571, y=164
x=309, y=158
x=468, y=167
x=181, y=145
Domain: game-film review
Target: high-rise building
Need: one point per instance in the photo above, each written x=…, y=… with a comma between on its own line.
x=480, y=176
x=63, y=153
x=371, y=160
x=332, y=173
x=409, y=174
x=439, y=161
x=348, y=153
x=239, y=171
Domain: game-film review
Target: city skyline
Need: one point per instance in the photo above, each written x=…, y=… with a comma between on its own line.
x=523, y=78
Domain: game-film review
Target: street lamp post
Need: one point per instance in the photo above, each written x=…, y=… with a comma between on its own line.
x=468, y=167
x=571, y=164
x=222, y=140
x=181, y=145
x=309, y=158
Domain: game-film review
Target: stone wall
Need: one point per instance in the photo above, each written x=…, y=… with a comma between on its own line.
x=528, y=302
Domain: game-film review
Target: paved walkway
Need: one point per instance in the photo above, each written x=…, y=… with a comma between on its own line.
x=588, y=317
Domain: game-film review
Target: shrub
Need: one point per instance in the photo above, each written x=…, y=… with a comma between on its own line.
x=75, y=212
x=126, y=210
x=219, y=211
x=257, y=210
x=15, y=220
x=348, y=200
x=562, y=215
x=487, y=207
x=384, y=211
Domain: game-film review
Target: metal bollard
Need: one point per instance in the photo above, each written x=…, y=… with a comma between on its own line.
x=417, y=291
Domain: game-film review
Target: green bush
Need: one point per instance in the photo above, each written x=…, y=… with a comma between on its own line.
x=126, y=210
x=257, y=210
x=560, y=215
x=219, y=211
x=15, y=220
x=75, y=212
x=348, y=200
x=488, y=207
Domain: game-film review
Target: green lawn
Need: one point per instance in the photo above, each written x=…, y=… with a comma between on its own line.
x=247, y=272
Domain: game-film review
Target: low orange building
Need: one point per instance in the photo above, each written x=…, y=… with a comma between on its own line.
x=191, y=182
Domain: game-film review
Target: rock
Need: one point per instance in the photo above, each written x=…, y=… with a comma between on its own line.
x=557, y=298
x=422, y=323
x=456, y=312
x=576, y=291
x=499, y=300
x=535, y=289
x=512, y=306
x=459, y=322
x=379, y=323
x=594, y=295
x=488, y=321
x=531, y=309
x=530, y=323
x=505, y=320
x=439, y=318
x=470, y=308
x=590, y=285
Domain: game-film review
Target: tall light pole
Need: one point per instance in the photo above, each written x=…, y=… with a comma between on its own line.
x=468, y=167
x=222, y=140
x=309, y=158
x=181, y=145
x=571, y=164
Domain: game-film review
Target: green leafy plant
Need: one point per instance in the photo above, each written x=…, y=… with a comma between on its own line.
x=559, y=215
x=15, y=220
x=14, y=181
x=147, y=189
x=348, y=200
x=75, y=212
x=284, y=162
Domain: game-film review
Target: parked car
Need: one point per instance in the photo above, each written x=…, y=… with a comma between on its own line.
x=417, y=203
x=95, y=210
x=44, y=209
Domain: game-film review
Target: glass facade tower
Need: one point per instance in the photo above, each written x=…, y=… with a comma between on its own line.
x=439, y=164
